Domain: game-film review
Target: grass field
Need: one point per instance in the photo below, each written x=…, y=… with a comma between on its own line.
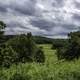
x=52, y=69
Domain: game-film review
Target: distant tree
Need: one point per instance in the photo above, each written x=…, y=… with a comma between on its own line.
x=59, y=43
x=2, y=26
x=42, y=40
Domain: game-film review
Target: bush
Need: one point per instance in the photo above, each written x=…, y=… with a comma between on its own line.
x=39, y=56
x=73, y=50
x=22, y=48
x=8, y=56
x=61, y=53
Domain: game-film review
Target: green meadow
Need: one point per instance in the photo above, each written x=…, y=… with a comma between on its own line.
x=52, y=69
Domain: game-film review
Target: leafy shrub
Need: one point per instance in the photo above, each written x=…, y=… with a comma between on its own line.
x=8, y=56
x=73, y=50
x=60, y=53
x=39, y=56
x=22, y=48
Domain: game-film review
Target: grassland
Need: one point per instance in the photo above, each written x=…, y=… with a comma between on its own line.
x=52, y=69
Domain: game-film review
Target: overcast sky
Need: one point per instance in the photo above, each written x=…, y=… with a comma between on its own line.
x=53, y=18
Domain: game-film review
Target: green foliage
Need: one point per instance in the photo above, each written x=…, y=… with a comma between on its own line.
x=39, y=56
x=21, y=48
x=72, y=49
x=37, y=39
x=7, y=56
x=61, y=46
x=42, y=40
x=24, y=46
x=59, y=43
x=61, y=53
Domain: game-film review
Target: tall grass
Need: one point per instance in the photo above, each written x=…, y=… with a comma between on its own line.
x=50, y=70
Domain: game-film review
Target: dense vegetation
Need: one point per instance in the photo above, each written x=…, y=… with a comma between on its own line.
x=20, y=49
x=51, y=70
x=70, y=48
x=37, y=39
x=73, y=50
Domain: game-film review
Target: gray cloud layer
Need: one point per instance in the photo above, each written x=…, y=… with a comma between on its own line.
x=52, y=18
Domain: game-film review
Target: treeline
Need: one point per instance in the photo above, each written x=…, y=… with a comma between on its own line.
x=42, y=40
x=58, y=43
x=37, y=39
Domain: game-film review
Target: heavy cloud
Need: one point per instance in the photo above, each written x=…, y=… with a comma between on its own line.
x=52, y=18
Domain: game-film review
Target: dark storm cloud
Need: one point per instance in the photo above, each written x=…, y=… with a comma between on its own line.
x=76, y=17
x=58, y=3
x=48, y=25
x=77, y=4
x=3, y=8
x=69, y=26
x=27, y=8
x=43, y=24
x=14, y=25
